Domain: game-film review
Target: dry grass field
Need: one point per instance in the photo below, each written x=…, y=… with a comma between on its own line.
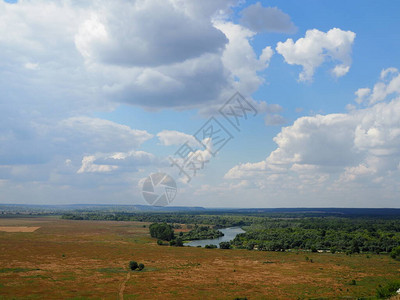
x=65, y=259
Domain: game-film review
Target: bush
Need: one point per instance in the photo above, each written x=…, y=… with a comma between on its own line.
x=313, y=249
x=353, y=282
x=225, y=245
x=140, y=267
x=210, y=246
x=176, y=242
x=179, y=242
x=395, y=254
x=133, y=265
x=387, y=291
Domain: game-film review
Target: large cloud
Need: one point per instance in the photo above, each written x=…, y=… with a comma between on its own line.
x=359, y=150
x=156, y=54
x=317, y=47
x=147, y=33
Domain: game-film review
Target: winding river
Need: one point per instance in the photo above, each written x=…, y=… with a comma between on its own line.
x=229, y=234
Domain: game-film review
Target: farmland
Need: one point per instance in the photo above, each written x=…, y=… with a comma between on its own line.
x=69, y=259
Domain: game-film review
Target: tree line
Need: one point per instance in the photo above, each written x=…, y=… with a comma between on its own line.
x=351, y=235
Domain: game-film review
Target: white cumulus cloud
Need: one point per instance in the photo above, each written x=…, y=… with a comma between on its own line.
x=317, y=47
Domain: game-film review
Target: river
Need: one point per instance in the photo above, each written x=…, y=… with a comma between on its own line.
x=229, y=234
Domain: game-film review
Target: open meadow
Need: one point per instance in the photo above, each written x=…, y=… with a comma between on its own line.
x=67, y=259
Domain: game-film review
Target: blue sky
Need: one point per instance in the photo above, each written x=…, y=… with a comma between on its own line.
x=97, y=96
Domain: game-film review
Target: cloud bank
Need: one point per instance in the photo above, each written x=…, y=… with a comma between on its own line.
x=349, y=154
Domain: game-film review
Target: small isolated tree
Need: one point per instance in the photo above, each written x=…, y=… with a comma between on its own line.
x=133, y=265
x=160, y=242
x=140, y=267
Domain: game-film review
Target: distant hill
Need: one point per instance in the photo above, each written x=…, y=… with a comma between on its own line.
x=303, y=211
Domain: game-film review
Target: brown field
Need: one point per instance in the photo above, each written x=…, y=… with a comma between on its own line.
x=18, y=229
x=89, y=259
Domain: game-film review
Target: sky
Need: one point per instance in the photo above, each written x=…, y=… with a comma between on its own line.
x=240, y=103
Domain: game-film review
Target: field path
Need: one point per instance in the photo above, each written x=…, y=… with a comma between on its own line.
x=123, y=284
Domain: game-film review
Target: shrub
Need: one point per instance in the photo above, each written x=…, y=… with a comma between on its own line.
x=133, y=265
x=250, y=246
x=225, y=245
x=353, y=282
x=140, y=267
x=313, y=249
x=179, y=242
x=395, y=254
x=387, y=291
x=176, y=242
x=210, y=246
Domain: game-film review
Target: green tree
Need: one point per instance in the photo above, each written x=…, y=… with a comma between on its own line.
x=162, y=231
x=140, y=267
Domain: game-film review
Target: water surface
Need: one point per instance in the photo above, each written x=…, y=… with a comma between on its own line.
x=229, y=234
